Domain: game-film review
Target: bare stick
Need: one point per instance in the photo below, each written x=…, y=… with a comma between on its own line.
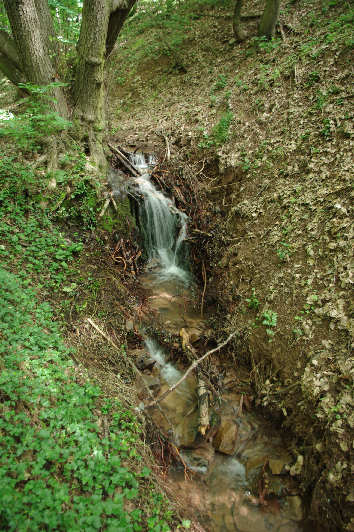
x=168, y=153
x=192, y=367
x=123, y=159
x=283, y=38
x=205, y=283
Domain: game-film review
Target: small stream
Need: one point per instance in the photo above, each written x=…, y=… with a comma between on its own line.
x=223, y=491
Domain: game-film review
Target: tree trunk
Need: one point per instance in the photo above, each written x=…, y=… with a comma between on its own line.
x=10, y=64
x=35, y=59
x=100, y=26
x=27, y=25
x=239, y=33
x=269, y=19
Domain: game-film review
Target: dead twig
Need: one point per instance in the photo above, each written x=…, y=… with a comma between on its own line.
x=192, y=368
x=168, y=152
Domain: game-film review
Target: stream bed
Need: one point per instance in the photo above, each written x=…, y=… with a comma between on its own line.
x=237, y=479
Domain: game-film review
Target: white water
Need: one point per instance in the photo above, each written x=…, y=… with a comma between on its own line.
x=168, y=371
x=139, y=161
x=162, y=220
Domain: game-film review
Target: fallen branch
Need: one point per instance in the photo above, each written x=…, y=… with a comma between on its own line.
x=168, y=152
x=192, y=367
x=283, y=38
x=205, y=284
x=123, y=159
x=203, y=405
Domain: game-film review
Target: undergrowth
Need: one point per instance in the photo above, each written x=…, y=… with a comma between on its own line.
x=57, y=469
x=69, y=457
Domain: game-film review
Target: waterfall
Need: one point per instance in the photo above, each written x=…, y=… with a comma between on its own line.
x=161, y=221
x=138, y=160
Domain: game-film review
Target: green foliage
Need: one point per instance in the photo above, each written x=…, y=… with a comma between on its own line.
x=220, y=83
x=270, y=319
x=326, y=132
x=313, y=78
x=253, y=301
x=221, y=129
x=56, y=470
x=37, y=122
x=264, y=45
x=284, y=253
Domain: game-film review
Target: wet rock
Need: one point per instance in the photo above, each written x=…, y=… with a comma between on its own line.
x=199, y=459
x=226, y=438
x=295, y=506
x=151, y=382
x=187, y=431
x=153, y=263
x=276, y=466
x=275, y=486
x=194, y=335
x=229, y=523
x=254, y=463
x=129, y=325
x=245, y=519
x=145, y=361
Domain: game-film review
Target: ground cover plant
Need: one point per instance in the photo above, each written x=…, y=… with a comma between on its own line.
x=70, y=452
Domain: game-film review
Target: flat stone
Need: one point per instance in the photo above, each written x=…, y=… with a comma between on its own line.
x=129, y=325
x=187, y=431
x=226, y=438
x=151, y=382
x=145, y=361
x=295, y=506
x=194, y=335
x=276, y=466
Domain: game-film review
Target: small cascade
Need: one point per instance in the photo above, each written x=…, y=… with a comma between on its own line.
x=138, y=160
x=161, y=221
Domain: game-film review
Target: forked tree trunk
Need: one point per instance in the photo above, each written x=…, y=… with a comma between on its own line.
x=37, y=48
x=10, y=64
x=101, y=24
x=269, y=19
x=239, y=33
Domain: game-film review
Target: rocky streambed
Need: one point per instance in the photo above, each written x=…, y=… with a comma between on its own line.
x=240, y=476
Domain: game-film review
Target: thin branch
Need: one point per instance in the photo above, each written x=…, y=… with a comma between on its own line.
x=192, y=367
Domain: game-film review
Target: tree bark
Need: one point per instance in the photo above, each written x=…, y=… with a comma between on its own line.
x=26, y=24
x=90, y=112
x=101, y=23
x=269, y=19
x=10, y=64
x=119, y=13
x=239, y=34
x=11, y=72
x=8, y=47
x=47, y=29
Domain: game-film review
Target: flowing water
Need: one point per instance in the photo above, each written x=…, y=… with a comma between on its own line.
x=223, y=491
